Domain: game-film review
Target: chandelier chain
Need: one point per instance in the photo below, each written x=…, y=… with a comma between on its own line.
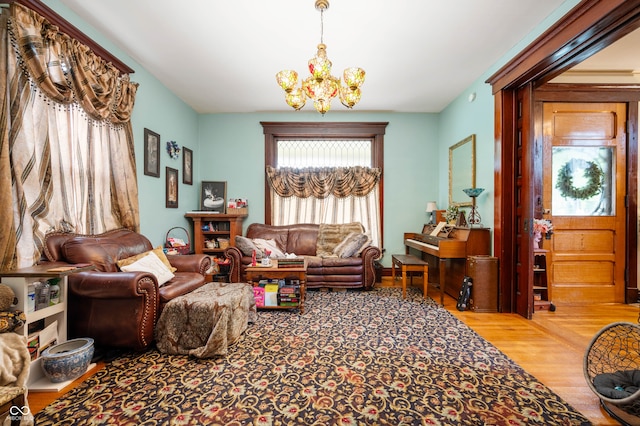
x=321, y=86
x=322, y=26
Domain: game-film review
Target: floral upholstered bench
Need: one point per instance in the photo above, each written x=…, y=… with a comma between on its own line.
x=205, y=322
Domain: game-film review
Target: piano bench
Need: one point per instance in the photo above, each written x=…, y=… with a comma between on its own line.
x=408, y=263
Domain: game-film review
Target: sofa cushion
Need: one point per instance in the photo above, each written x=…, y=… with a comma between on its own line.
x=270, y=246
x=351, y=245
x=152, y=264
x=269, y=232
x=302, y=239
x=100, y=252
x=158, y=252
x=132, y=243
x=247, y=246
x=330, y=235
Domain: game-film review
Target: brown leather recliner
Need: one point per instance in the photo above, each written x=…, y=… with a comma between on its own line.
x=115, y=308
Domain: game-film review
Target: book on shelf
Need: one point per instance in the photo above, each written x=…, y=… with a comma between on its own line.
x=41, y=339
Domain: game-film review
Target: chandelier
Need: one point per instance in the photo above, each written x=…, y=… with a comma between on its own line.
x=321, y=86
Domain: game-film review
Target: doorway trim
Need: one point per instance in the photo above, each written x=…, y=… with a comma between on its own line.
x=586, y=29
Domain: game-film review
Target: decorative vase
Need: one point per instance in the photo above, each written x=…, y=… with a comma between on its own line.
x=537, y=237
x=68, y=360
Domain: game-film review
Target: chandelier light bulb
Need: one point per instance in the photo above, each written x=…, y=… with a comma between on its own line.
x=287, y=79
x=353, y=77
x=296, y=99
x=321, y=86
x=349, y=97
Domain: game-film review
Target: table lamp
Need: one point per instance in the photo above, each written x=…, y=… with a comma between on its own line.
x=431, y=208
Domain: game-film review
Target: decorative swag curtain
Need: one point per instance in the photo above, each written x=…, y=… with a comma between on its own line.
x=326, y=195
x=322, y=182
x=66, y=143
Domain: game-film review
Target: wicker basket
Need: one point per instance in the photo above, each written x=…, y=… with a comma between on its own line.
x=223, y=243
x=241, y=210
x=181, y=249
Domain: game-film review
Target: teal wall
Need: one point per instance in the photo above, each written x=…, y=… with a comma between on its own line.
x=232, y=150
x=462, y=118
x=230, y=147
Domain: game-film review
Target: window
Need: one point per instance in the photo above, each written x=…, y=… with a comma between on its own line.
x=315, y=145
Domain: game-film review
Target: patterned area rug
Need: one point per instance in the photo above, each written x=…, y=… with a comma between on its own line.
x=353, y=358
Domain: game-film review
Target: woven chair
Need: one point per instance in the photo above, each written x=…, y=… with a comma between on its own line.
x=612, y=370
x=12, y=398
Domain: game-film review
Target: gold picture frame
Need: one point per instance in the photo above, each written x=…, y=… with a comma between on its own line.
x=462, y=171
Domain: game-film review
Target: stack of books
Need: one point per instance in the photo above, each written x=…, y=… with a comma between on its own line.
x=289, y=293
x=294, y=262
x=270, y=292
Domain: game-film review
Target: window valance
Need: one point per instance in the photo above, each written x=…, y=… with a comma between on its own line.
x=66, y=71
x=322, y=182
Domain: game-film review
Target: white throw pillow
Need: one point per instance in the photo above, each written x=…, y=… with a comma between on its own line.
x=151, y=263
x=270, y=245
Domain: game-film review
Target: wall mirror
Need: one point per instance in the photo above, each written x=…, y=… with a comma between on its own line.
x=462, y=170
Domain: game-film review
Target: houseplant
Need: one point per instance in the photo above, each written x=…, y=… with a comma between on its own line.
x=452, y=214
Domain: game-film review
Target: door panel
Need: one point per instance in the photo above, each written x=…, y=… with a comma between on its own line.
x=584, y=185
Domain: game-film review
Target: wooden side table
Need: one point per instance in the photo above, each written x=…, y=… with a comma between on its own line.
x=256, y=273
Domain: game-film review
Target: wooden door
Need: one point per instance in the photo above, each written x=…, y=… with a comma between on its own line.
x=584, y=189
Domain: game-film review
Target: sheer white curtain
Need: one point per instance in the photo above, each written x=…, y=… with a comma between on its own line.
x=288, y=210
x=330, y=195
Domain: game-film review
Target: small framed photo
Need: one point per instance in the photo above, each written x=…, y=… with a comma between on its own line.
x=172, y=188
x=213, y=196
x=151, y=153
x=187, y=166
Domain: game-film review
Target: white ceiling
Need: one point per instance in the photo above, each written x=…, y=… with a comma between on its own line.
x=222, y=56
x=623, y=55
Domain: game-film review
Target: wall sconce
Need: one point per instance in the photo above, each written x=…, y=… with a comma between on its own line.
x=431, y=209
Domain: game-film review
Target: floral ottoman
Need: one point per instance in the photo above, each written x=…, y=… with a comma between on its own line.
x=206, y=321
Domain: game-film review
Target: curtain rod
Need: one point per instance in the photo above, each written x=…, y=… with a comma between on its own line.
x=67, y=28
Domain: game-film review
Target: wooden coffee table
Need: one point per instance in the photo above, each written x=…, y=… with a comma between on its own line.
x=256, y=273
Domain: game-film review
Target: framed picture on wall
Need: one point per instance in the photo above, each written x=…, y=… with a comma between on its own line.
x=213, y=196
x=172, y=188
x=151, y=153
x=187, y=166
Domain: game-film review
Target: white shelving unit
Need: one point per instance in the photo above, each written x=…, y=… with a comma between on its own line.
x=19, y=280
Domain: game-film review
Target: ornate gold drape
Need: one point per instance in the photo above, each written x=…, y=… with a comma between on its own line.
x=66, y=142
x=321, y=182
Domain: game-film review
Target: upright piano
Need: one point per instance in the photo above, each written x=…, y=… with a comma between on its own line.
x=446, y=254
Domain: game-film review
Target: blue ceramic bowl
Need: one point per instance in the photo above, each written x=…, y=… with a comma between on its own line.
x=473, y=192
x=68, y=360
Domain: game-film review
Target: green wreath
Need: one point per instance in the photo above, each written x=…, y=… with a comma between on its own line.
x=592, y=172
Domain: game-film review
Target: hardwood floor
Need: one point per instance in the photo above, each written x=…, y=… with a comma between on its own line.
x=551, y=347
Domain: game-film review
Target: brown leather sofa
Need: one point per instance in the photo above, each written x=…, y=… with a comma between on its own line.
x=118, y=309
x=322, y=272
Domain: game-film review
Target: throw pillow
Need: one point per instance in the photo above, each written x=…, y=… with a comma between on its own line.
x=151, y=263
x=275, y=252
x=330, y=235
x=246, y=246
x=351, y=245
x=158, y=252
